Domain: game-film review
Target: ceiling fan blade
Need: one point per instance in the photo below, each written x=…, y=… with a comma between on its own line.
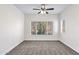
x=46, y=12
x=35, y=9
x=50, y=9
x=39, y=12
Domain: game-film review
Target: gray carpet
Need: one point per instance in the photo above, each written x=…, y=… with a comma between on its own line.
x=42, y=48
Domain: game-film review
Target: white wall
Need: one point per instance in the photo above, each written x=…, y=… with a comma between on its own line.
x=71, y=35
x=29, y=18
x=11, y=27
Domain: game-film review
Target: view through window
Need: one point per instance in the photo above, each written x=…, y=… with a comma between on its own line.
x=41, y=28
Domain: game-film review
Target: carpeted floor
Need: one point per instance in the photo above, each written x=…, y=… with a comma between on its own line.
x=42, y=48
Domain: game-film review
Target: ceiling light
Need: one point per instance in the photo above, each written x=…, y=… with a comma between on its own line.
x=43, y=12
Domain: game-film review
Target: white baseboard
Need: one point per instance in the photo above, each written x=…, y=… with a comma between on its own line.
x=69, y=46
x=12, y=48
x=41, y=40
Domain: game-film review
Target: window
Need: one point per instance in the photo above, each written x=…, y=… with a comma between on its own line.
x=62, y=25
x=41, y=28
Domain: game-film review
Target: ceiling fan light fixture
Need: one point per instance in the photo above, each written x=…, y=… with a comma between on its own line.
x=43, y=12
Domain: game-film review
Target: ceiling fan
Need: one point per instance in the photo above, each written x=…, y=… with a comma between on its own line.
x=43, y=9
